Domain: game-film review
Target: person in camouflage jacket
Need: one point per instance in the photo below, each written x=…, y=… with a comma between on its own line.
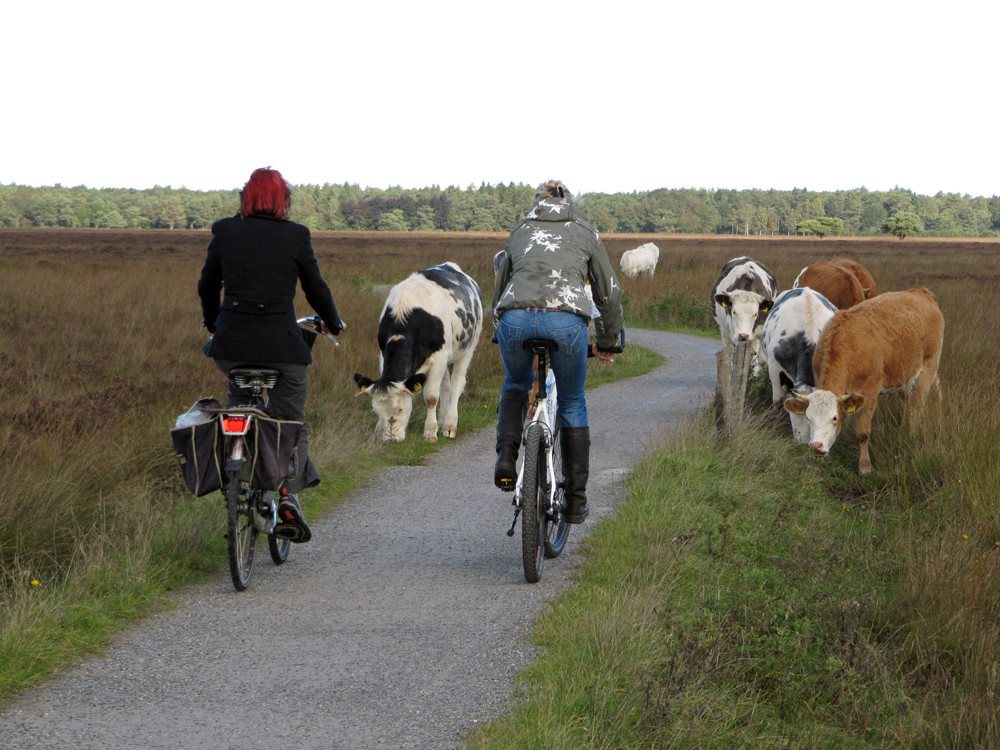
x=541, y=293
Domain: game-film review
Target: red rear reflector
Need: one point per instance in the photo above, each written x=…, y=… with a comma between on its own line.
x=235, y=424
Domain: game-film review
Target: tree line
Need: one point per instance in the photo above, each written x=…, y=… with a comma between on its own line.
x=496, y=208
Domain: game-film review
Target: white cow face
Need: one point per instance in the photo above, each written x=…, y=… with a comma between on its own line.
x=824, y=414
x=392, y=403
x=393, y=407
x=742, y=310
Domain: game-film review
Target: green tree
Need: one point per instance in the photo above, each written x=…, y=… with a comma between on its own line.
x=393, y=221
x=903, y=223
x=821, y=227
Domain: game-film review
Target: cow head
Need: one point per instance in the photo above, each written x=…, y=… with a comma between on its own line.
x=392, y=402
x=746, y=312
x=824, y=412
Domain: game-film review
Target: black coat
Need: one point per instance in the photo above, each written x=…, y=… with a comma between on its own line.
x=258, y=262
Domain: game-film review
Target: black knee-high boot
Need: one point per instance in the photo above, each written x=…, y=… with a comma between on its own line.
x=510, y=422
x=575, y=446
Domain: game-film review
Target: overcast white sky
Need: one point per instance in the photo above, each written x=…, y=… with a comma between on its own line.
x=610, y=96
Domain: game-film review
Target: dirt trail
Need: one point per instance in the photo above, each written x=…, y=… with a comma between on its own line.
x=401, y=625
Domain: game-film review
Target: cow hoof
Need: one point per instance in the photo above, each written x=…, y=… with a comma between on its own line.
x=430, y=438
x=449, y=433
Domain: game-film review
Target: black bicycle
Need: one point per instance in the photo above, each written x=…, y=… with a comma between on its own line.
x=251, y=509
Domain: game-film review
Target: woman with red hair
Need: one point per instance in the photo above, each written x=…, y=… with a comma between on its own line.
x=259, y=257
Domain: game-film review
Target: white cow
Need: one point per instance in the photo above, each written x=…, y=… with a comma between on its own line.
x=429, y=330
x=741, y=298
x=789, y=340
x=640, y=260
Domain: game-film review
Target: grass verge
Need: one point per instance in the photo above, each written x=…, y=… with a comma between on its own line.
x=747, y=595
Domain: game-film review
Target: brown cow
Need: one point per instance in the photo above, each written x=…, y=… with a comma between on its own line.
x=892, y=341
x=860, y=273
x=836, y=281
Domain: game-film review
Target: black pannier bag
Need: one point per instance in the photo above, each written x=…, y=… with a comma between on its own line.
x=275, y=452
x=199, y=447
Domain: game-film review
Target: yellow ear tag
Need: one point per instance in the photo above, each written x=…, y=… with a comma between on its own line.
x=418, y=387
x=850, y=409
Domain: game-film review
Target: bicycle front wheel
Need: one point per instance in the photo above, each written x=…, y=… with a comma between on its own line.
x=533, y=504
x=241, y=533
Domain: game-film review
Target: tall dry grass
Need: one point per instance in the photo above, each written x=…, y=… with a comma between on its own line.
x=101, y=352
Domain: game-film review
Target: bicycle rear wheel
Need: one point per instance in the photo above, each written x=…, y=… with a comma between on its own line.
x=533, y=504
x=241, y=533
x=556, y=528
x=278, y=547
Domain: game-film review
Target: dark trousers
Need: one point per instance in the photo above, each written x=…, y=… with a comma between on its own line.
x=287, y=400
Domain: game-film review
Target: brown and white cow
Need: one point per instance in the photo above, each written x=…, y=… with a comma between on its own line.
x=429, y=329
x=890, y=342
x=844, y=282
x=741, y=297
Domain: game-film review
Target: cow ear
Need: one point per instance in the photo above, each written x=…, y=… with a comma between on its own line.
x=722, y=299
x=415, y=383
x=852, y=402
x=766, y=305
x=796, y=405
x=362, y=381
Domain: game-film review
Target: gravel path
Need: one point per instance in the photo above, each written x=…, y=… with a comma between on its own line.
x=401, y=625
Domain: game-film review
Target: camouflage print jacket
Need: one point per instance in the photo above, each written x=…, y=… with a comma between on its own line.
x=548, y=259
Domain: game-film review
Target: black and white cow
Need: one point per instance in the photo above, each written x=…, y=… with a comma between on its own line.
x=789, y=339
x=741, y=298
x=428, y=332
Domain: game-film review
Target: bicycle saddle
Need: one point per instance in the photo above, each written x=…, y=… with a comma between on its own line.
x=533, y=345
x=245, y=377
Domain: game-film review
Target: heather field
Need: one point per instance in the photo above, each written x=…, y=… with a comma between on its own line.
x=747, y=595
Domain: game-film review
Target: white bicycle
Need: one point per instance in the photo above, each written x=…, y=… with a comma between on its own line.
x=538, y=494
x=539, y=490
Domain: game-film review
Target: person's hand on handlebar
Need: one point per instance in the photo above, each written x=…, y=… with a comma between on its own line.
x=324, y=328
x=602, y=357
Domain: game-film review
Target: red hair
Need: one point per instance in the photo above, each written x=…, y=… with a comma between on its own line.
x=265, y=194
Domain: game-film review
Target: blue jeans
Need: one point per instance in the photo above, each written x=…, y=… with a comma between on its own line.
x=569, y=364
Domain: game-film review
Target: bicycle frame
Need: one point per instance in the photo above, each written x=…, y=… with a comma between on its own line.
x=543, y=412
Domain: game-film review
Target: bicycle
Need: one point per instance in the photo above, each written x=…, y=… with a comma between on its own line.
x=252, y=510
x=538, y=494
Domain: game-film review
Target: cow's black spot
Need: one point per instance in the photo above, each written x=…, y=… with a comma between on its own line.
x=419, y=336
x=794, y=354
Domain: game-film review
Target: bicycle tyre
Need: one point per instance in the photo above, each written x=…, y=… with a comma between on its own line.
x=278, y=547
x=533, y=505
x=241, y=533
x=556, y=528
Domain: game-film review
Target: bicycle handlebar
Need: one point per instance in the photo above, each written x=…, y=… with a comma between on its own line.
x=613, y=350
x=314, y=324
